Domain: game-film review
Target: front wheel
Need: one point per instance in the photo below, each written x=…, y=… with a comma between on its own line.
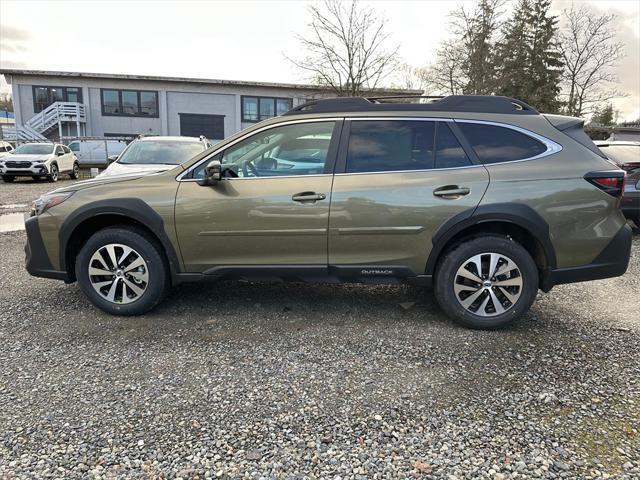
x=486, y=282
x=122, y=271
x=53, y=173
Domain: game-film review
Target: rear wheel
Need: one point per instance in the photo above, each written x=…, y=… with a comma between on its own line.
x=122, y=271
x=8, y=178
x=486, y=282
x=75, y=171
x=53, y=173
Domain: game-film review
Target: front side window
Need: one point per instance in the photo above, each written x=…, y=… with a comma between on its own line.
x=495, y=144
x=298, y=149
x=390, y=145
x=255, y=109
x=59, y=150
x=130, y=103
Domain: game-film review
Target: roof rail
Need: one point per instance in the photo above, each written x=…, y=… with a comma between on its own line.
x=451, y=103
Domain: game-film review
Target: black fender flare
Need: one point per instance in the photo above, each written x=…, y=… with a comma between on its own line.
x=514, y=213
x=132, y=208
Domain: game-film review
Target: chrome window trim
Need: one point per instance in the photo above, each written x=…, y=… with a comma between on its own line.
x=179, y=178
x=421, y=170
x=551, y=146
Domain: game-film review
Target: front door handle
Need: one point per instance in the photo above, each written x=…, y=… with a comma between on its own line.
x=308, y=197
x=451, y=191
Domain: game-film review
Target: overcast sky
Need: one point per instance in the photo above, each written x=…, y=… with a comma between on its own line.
x=236, y=40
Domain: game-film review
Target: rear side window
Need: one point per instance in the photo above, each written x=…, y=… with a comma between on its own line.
x=449, y=152
x=390, y=145
x=494, y=144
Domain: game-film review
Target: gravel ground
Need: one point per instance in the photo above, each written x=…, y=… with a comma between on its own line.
x=333, y=381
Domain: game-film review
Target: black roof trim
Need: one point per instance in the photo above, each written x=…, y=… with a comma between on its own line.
x=452, y=103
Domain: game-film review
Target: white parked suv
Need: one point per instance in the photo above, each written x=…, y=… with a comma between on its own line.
x=156, y=154
x=39, y=160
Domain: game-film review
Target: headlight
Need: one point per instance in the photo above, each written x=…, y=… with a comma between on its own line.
x=45, y=202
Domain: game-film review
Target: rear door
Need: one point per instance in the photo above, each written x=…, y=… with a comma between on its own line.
x=397, y=181
x=62, y=159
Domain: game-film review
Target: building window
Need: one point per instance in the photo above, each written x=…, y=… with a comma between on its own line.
x=129, y=103
x=255, y=109
x=194, y=125
x=45, y=96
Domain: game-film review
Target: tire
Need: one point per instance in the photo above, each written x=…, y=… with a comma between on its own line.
x=452, y=289
x=75, y=171
x=126, y=300
x=53, y=173
x=8, y=178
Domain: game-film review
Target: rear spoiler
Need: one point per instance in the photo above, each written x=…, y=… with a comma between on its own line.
x=562, y=122
x=574, y=127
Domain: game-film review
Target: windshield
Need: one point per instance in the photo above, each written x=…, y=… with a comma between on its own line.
x=35, y=149
x=160, y=153
x=622, y=153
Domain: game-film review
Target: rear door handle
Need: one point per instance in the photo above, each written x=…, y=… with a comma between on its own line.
x=305, y=197
x=451, y=191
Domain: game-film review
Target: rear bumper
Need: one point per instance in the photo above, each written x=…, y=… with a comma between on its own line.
x=611, y=262
x=37, y=261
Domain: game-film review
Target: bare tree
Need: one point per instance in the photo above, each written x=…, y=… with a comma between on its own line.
x=590, y=52
x=446, y=76
x=466, y=64
x=346, y=48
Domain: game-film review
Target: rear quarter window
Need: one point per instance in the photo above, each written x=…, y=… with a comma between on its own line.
x=495, y=144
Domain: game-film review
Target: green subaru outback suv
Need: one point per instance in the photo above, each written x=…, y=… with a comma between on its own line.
x=481, y=197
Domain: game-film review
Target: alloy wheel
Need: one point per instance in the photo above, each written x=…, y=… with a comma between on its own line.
x=488, y=284
x=54, y=173
x=118, y=273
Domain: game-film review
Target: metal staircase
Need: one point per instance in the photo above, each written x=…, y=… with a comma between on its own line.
x=43, y=122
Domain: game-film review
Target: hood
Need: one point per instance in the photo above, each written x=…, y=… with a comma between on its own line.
x=21, y=157
x=126, y=169
x=94, y=182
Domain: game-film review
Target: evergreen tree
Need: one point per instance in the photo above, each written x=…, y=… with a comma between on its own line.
x=529, y=61
x=605, y=116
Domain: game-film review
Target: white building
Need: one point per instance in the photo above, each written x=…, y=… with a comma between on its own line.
x=54, y=104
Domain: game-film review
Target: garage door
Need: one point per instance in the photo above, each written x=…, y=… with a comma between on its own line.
x=195, y=124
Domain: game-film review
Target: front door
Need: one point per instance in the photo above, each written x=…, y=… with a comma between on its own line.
x=270, y=208
x=396, y=183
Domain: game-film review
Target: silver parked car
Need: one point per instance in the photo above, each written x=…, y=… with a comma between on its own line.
x=156, y=154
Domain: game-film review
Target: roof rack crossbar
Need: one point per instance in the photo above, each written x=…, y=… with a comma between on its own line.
x=451, y=103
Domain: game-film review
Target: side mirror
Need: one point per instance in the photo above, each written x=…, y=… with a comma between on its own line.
x=111, y=159
x=59, y=154
x=212, y=173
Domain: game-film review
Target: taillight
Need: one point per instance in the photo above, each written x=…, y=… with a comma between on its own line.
x=610, y=181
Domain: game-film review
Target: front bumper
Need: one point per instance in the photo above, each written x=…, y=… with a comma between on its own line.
x=37, y=261
x=32, y=171
x=611, y=262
